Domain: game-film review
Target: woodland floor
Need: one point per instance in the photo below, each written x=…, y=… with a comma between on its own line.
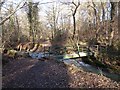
x=33, y=73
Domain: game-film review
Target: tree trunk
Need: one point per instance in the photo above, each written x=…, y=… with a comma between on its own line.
x=119, y=19
x=113, y=14
x=103, y=12
x=18, y=28
x=74, y=25
x=74, y=21
x=113, y=10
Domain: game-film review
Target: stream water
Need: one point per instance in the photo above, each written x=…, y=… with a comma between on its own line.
x=79, y=64
x=89, y=68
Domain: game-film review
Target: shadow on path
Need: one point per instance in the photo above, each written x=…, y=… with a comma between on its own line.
x=32, y=73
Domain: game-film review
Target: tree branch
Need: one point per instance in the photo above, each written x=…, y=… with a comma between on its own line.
x=5, y=19
x=74, y=3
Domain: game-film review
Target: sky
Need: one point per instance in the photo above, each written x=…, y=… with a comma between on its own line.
x=43, y=7
x=7, y=2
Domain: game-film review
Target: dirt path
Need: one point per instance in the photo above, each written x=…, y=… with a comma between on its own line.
x=32, y=73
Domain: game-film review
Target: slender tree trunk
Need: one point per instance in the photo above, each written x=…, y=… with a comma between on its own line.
x=74, y=21
x=18, y=28
x=119, y=19
x=95, y=20
x=103, y=12
x=1, y=34
x=74, y=25
x=113, y=10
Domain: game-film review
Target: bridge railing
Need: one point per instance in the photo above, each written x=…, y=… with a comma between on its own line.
x=48, y=50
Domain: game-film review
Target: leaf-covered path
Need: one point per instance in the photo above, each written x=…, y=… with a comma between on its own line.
x=33, y=73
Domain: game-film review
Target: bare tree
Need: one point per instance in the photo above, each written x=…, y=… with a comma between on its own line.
x=74, y=19
x=32, y=15
x=52, y=18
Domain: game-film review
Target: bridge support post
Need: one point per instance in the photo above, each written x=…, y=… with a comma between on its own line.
x=49, y=51
x=44, y=50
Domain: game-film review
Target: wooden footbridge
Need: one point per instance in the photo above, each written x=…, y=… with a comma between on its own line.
x=69, y=53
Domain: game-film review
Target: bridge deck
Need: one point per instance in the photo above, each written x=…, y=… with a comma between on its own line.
x=73, y=55
x=83, y=52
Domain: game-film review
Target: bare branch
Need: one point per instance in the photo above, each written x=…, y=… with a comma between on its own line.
x=47, y=2
x=91, y=6
x=74, y=3
x=75, y=9
x=5, y=19
x=66, y=3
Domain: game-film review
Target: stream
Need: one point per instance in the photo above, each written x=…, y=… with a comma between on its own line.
x=79, y=64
